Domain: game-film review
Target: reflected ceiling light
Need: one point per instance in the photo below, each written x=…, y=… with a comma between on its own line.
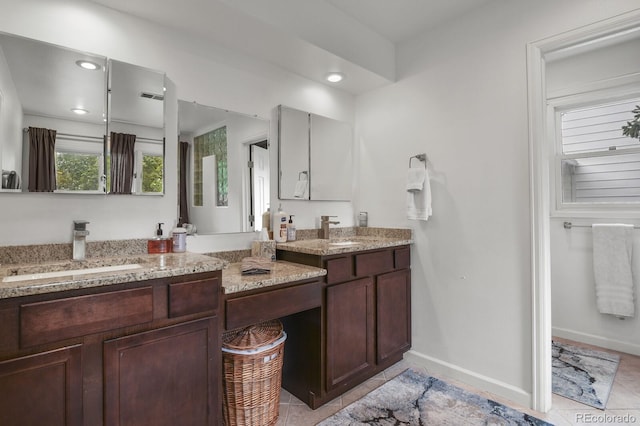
x=87, y=65
x=80, y=111
x=335, y=77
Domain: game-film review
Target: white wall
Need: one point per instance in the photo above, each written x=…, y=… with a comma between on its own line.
x=202, y=71
x=461, y=98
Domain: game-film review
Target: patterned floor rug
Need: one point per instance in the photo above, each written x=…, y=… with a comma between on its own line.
x=413, y=398
x=584, y=375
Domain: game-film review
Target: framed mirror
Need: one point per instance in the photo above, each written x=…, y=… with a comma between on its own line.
x=315, y=156
x=224, y=169
x=52, y=117
x=135, y=139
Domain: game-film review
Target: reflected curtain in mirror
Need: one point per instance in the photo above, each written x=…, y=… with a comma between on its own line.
x=213, y=143
x=42, y=170
x=122, y=158
x=182, y=184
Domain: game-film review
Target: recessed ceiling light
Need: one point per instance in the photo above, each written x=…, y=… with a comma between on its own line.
x=335, y=77
x=80, y=111
x=87, y=65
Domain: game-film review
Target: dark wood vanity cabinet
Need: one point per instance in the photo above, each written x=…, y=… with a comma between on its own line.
x=124, y=354
x=367, y=315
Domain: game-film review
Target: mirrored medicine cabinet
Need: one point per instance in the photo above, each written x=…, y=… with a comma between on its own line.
x=224, y=169
x=77, y=122
x=315, y=157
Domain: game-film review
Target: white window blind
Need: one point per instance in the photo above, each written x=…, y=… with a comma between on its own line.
x=598, y=163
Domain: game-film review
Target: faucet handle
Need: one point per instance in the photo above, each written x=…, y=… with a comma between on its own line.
x=326, y=218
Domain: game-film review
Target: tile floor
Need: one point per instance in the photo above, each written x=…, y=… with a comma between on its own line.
x=623, y=406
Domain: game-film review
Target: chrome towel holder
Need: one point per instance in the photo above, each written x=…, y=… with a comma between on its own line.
x=420, y=157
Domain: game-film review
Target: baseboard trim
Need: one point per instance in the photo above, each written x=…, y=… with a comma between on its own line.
x=601, y=341
x=512, y=393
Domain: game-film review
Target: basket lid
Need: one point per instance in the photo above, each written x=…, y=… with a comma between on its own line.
x=253, y=336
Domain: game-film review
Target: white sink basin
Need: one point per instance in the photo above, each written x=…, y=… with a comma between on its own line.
x=43, y=275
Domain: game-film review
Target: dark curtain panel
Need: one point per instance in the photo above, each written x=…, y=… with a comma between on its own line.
x=42, y=160
x=122, y=158
x=182, y=184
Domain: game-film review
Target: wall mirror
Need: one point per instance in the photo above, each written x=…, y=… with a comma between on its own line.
x=135, y=140
x=56, y=120
x=314, y=156
x=52, y=118
x=224, y=169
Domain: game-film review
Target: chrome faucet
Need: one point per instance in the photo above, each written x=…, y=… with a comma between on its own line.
x=79, y=239
x=324, y=226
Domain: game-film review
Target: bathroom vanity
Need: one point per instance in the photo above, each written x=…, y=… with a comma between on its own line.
x=88, y=350
x=137, y=340
x=364, y=324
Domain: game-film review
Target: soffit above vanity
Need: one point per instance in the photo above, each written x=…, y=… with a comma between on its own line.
x=307, y=37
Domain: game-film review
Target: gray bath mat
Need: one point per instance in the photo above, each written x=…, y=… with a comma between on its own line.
x=413, y=398
x=584, y=375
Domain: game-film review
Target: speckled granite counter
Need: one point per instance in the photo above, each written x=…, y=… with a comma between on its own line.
x=282, y=272
x=150, y=266
x=331, y=246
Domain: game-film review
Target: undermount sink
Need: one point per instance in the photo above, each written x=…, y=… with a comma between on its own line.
x=64, y=273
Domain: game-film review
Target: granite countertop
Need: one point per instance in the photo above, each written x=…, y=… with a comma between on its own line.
x=147, y=266
x=324, y=247
x=281, y=272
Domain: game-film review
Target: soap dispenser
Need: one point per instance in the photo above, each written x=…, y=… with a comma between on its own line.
x=159, y=244
x=291, y=229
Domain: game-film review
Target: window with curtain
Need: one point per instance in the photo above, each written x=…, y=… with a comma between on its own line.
x=211, y=143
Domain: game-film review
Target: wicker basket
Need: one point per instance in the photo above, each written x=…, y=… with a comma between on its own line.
x=252, y=374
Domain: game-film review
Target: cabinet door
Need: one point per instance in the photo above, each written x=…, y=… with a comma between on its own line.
x=393, y=309
x=350, y=330
x=167, y=376
x=42, y=389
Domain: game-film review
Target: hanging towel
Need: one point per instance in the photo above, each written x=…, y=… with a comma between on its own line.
x=612, y=250
x=301, y=185
x=419, y=201
x=300, y=189
x=415, y=178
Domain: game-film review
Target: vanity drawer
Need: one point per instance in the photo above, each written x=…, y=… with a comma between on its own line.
x=193, y=297
x=374, y=263
x=51, y=321
x=402, y=258
x=339, y=270
x=252, y=309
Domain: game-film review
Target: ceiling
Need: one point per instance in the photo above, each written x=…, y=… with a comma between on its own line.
x=308, y=37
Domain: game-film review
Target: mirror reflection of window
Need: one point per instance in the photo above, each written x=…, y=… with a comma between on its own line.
x=210, y=167
x=136, y=107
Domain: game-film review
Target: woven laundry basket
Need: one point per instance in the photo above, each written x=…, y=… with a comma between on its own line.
x=252, y=374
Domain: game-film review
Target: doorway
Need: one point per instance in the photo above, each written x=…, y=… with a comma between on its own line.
x=542, y=199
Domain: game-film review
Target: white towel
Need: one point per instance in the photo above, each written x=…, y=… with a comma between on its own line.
x=415, y=178
x=612, y=250
x=419, y=202
x=300, y=189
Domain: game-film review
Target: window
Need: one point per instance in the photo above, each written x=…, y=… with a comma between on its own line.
x=79, y=164
x=596, y=165
x=211, y=145
x=149, y=173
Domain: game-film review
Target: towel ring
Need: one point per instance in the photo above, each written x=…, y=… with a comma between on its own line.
x=420, y=157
